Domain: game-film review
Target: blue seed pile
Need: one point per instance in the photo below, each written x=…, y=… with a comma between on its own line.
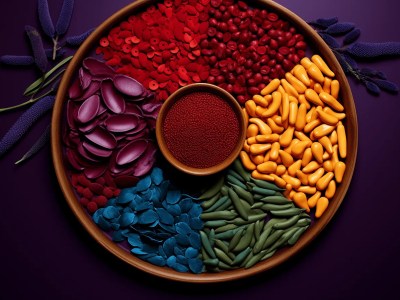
x=159, y=222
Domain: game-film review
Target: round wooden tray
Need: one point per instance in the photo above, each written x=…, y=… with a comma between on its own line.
x=318, y=46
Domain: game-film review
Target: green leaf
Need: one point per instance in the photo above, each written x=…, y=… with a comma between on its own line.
x=33, y=88
x=45, y=84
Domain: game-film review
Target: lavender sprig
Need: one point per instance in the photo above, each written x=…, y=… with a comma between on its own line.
x=39, y=54
x=25, y=121
x=45, y=18
x=371, y=50
x=77, y=40
x=65, y=17
x=17, y=60
x=37, y=146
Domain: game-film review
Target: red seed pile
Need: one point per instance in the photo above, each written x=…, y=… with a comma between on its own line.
x=201, y=130
x=160, y=47
x=94, y=193
x=246, y=48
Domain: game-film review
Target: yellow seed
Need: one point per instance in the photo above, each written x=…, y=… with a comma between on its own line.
x=274, y=106
x=292, y=113
x=250, y=106
x=285, y=107
x=293, y=99
x=277, y=119
x=335, y=156
x=281, y=90
x=300, y=199
x=294, y=168
x=342, y=142
x=291, y=194
x=321, y=64
x=326, y=87
x=271, y=87
x=252, y=140
x=301, y=136
x=306, y=62
x=327, y=118
x=311, y=115
x=252, y=130
x=267, y=167
x=303, y=100
x=340, y=167
x=247, y=163
x=312, y=201
x=331, y=189
x=323, y=182
x=323, y=130
x=286, y=137
x=337, y=115
x=326, y=143
x=291, y=180
x=257, y=159
x=246, y=146
x=317, y=151
x=267, y=138
x=260, y=100
x=289, y=88
x=332, y=102
x=280, y=170
x=335, y=87
x=333, y=137
x=268, y=98
x=279, y=181
x=257, y=175
x=274, y=127
x=256, y=149
x=314, y=177
x=262, y=126
x=289, y=148
x=301, y=117
x=274, y=153
x=312, y=83
x=311, y=167
x=307, y=190
x=303, y=177
x=301, y=74
x=260, y=110
x=266, y=156
x=310, y=126
x=245, y=116
x=287, y=159
x=298, y=149
x=307, y=157
x=318, y=88
x=296, y=83
x=326, y=155
x=315, y=73
x=328, y=167
x=289, y=188
x=312, y=97
x=322, y=205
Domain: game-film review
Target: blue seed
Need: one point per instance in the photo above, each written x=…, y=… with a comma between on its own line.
x=195, y=265
x=173, y=196
x=196, y=223
x=165, y=216
x=182, y=239
x=128, y=219
x=169, y=246
x=168, y=228
x=161, y=251
x=180, y=268
x=157, y=176
x=143, y=205
x=110, y=212
x=147, y=256
x=164, y=188
x=157, y=260
x=115, y=226
x=118, y=236
x=191, y=252
x=194, y=239
x=138, y=251
x=154, y=224
x=184, y=218
x=186, y=204
x=104, y=224
x=174, y=209
x=171, y=261
x=134, y=240
x=97, y=214
x=143, y=184
x=149, y=248
x=195, y=211
x=125, y=197
x=182, y=228
x=181, y=259
x=178, y=251
x=148, y=217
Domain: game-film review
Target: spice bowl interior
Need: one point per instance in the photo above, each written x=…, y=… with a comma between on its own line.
x=186, y=130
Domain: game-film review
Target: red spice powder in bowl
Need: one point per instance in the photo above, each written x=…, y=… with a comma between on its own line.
x=200, y=129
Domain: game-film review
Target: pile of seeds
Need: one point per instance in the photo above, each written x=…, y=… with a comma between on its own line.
x=246, y=221
x=159, y=223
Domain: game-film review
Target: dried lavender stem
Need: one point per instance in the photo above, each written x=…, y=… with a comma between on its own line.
x=31, y=100
x=55, y=44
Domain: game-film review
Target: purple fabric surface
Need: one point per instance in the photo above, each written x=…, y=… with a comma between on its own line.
x=46, y=253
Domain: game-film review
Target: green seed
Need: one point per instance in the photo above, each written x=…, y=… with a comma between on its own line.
x=224, y=266
x=266, y=185
x=297, y=235
x=218, y=215
x=211, y=237
x=241, y=256
x=238, y=167
x=234, y=181
x=275, y=200
x=221, y=255
x=258, y=228
x=236, y=175
x=206, y=244
x=226, y=235
x=273, y=238
x=213, y=262
x=258, y=246
x=210, y=202
x=242, y=193
x=255, y=259
x=246, y=239
x=224, y=247
x=269, y=207
x=204, y=254
x=218, y=204
x=236, y=238
x=288, y=223
x=287, y=212
x=257, y=205
x=225, y=228
x=215, y=223
x=303, y=222
x=268, y=255
x=213, y=189
x=263, y=191
x=258, y=197
x=224, y=190
x=251, y=219
x=247, y=258
x=238, y=204
x=283, y=239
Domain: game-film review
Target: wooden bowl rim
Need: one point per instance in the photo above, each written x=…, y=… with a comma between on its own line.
x=284, y=254
x=203, y=87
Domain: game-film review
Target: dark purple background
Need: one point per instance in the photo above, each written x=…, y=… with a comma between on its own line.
x=46, y=253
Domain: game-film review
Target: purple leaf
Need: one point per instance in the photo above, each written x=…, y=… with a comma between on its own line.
x=121, y=123
x=94, y=172
x=331, y=41
x=370, y=50
x=102, y=137
x=24, y=122
x=128, y=85
x=96, y=150
x=131, y=152
x=39, y=54
x=39, y=144
x=85, y=78
x=112, y=99
x=77, y=40
x=324, y=22
x=339, y=28
x=146, y=162
x=17, y=60
x=89, y=108
x=372, y=88
x=90, y=91
x=352, y=36
x=75, y=89
x=387, y=85
x=65, y=17
x=97, y=67
x=45, y=18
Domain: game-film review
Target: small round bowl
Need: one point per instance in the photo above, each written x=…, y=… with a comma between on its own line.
x=165, y=109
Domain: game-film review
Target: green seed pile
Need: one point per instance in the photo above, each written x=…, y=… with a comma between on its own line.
x=246, y=221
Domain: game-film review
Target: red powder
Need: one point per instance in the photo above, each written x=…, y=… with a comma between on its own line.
x=201, y=130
